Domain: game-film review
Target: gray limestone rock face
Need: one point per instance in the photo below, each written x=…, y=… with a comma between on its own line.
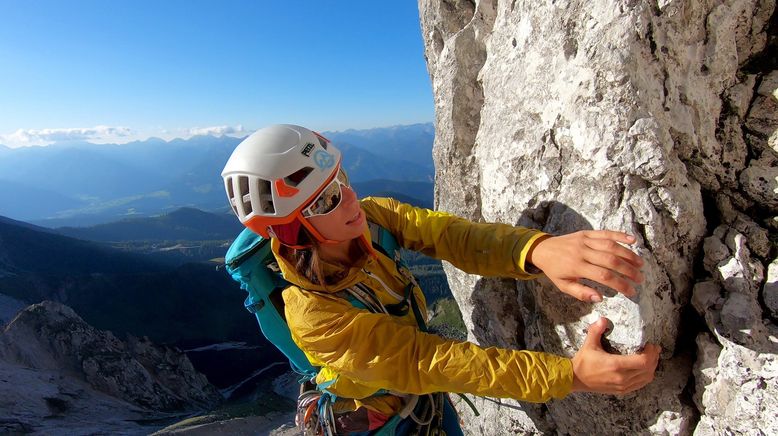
x=760, y=179
x=770, y=290
x=658, y=119
x=502, y=416
x=736, y=387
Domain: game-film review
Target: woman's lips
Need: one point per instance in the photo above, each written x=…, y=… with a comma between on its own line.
x=355, y=219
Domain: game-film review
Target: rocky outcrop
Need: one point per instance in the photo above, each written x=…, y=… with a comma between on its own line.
x=53, y=364
x=736, y=372
x=658, y=119
x=48, y=402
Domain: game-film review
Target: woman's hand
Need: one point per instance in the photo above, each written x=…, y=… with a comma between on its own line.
x=590, y=254
x=595, y=370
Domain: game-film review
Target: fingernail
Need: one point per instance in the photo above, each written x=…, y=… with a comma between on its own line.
x=595, y=298
x=631, y=238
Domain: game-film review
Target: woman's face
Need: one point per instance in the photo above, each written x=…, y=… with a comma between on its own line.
x=345, y=222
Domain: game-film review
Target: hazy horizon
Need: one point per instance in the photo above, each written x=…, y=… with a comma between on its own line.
x=214, y=132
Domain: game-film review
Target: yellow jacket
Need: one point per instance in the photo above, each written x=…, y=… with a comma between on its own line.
x=364, y=352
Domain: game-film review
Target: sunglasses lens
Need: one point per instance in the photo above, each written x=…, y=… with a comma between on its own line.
x=328, y=200
x=330, y=197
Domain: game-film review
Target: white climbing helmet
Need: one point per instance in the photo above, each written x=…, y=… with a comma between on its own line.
x=273, y=174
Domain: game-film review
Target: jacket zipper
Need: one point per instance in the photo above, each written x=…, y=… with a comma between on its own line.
x=386, y=288
x=245, y=255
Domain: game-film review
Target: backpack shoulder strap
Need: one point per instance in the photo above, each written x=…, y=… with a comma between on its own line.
x=384, y=241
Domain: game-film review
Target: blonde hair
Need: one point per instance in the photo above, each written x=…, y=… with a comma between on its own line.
x=307, y=261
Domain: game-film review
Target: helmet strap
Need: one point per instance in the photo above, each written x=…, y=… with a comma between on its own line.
x=315, y=233
x=311, y=230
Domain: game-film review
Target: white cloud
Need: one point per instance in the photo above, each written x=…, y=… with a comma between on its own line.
x=112, y=134
x=217, y=130
x=22, y=137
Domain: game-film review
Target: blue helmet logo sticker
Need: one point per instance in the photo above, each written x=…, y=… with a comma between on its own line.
x=323, y=160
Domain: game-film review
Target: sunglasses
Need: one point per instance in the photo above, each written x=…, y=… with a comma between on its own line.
x=329, y=198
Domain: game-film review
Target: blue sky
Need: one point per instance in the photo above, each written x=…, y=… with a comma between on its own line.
x=116, y=70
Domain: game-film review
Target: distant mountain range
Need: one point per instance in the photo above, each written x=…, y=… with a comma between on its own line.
x=182, y=236
x=124, y=292
x=26, y=249
x=411, y=143
x=185, y=224
x=79, y=183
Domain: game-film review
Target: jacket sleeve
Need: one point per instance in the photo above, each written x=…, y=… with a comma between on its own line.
x=487, y=249
x=381, y=352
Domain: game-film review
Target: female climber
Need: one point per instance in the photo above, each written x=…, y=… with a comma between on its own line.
x=358, y=314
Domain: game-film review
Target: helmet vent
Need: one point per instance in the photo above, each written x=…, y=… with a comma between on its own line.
x=243, y=192
x=298, y=176
x=265, y=196
x=231, y=195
